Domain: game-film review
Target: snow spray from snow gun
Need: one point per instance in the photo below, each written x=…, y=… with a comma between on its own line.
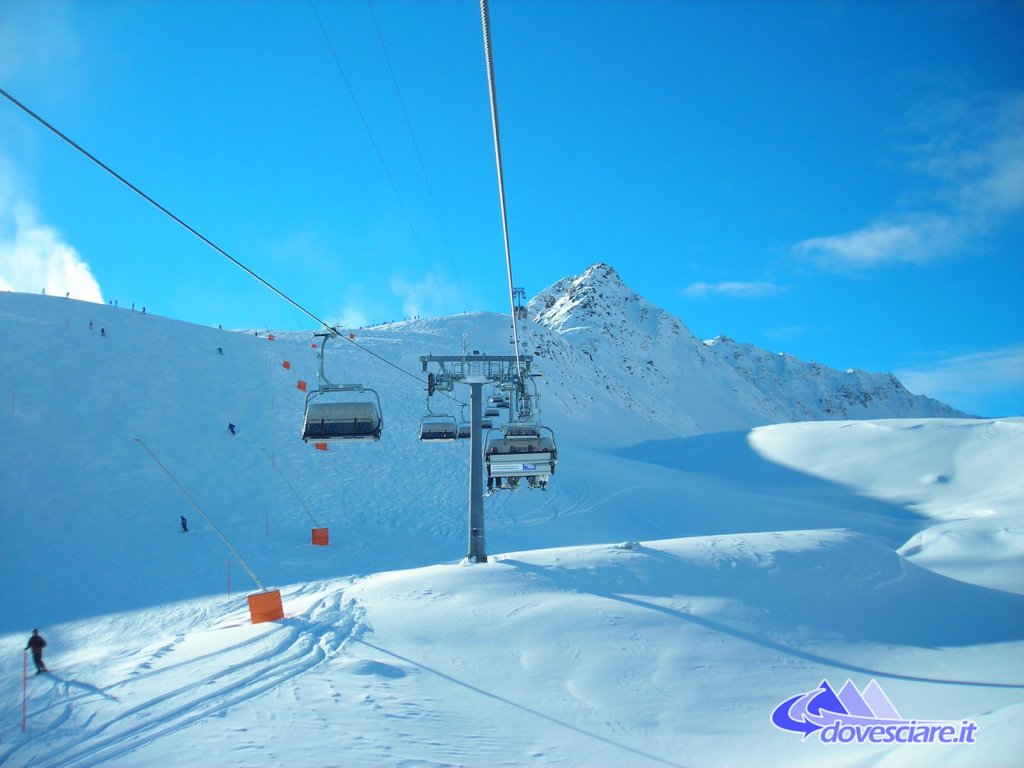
x=265, y=606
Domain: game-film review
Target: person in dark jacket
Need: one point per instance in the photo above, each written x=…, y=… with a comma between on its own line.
x=36, y=644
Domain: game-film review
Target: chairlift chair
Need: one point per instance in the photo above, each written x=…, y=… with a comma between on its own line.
x=521, y=450
x=340, y=412
x=342, y=421
x=438, y=429
x=464, y=426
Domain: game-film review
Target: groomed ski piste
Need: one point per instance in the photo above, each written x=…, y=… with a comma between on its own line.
x=654, y=607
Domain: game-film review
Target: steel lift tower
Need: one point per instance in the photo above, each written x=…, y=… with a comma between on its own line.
x=476, y=370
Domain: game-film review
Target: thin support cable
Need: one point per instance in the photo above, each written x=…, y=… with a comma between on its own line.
x=277, y=469
x=216, y=530
x=416, y=147
x=376, y=149
x=485, y=20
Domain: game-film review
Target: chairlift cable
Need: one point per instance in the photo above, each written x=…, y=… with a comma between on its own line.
x=376, y=149
x=157, y=205
x=485, y=21
x=67, y=139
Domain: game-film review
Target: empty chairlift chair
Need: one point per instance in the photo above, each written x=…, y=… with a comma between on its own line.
x=353, y=421
x=340, y=412
x=438, y=429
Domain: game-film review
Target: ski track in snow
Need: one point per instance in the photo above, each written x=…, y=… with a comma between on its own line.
x=245, y=670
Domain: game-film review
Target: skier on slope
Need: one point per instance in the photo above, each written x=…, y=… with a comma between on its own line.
x=36, y=644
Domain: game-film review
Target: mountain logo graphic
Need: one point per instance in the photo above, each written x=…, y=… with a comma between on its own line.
x=868, y=716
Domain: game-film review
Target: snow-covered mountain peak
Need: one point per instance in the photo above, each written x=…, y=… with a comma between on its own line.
x=596, y=300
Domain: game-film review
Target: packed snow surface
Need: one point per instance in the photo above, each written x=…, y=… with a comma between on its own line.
x=689, y=569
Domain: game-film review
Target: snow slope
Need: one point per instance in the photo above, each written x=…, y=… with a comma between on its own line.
x=653, y=607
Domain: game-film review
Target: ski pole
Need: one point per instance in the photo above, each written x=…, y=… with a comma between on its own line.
x=24, y=689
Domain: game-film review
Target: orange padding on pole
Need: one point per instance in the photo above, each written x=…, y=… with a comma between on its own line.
x=270, y=336
x=286, y=364
x=302, y=385
x=321, y=446
x=266, y=606
x=351, y=335
x=320, y=538
x=312, y=346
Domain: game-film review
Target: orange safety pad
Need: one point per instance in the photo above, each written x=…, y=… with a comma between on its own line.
x=266, y=606
x=270, y=336
x=286, y=364
x=321, y=446
x=320, y=537
x=302, y=385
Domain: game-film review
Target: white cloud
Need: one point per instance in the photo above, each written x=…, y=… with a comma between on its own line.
x=741, y=290
x=423, y=297
x=350, y=316
x=416, y=297
x=37, y=40
x=970, y=157
x=966, y=378
x=34, y=257
x=916, y=241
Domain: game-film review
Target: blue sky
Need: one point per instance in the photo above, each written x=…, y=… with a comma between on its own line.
x=840, y=181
